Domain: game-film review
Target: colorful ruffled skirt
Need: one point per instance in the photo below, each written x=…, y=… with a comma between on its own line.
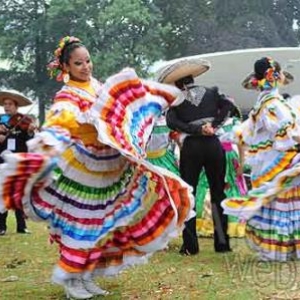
x=274, y=232
x=108, y=208
x=272, y=212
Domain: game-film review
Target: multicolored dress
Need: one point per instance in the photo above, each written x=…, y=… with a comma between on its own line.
x=159, y=148
x=272, y=207
x=235, y=186
x=109, y=208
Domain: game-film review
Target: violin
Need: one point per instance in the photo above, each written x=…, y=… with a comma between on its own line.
x=16, y=122
x=20, y=121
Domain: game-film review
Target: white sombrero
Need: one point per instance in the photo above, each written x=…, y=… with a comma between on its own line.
x=247, y=83
x=19, y=98
x=182, y=68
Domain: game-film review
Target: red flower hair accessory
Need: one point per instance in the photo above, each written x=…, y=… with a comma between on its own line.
x=55, y=68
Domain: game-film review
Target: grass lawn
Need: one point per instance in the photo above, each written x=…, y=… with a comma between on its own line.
x=26, y=263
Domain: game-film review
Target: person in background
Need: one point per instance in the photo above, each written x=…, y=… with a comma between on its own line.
x=161, y=147
x=272, y=136
x=198, y=117
x=15, y=130
x=247, y=83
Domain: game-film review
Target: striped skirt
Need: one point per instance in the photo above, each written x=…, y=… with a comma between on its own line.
x=103, y=221
x=274, y=232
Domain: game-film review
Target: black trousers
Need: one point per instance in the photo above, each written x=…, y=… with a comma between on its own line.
x=206, y=152
x=21, y=224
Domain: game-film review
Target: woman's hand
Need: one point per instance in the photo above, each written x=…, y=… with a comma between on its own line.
x=240, y=170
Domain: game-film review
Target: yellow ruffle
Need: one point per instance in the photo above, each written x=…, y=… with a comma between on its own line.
x=284, y=162
x=205, y=228
x=84, y=86
x=85, y=132
x=236, y=230
x=156, y=154
x=64, y=119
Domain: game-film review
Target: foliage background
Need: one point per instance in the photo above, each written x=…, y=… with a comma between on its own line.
x=134, y=33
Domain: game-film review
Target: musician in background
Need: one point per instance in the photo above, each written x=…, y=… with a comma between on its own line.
x=15, y=130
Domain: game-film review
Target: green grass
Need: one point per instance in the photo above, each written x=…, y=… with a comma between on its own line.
x=26, y=263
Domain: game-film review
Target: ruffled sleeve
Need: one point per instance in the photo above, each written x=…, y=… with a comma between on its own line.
x=279, y=119
x=60, y=125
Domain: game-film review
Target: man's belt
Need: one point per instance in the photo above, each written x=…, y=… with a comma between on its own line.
x=202, y=121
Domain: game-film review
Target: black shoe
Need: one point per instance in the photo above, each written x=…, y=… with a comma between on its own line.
x=222, y=246
x=223, y=249
x=2, y=232
x=184, y=251
x=24, y=231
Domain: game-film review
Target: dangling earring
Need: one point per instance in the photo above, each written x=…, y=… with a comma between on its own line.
x=66, y=77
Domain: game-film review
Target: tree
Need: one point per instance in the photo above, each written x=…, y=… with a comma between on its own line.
x=125, y=34
x=204, y=26
x=23, y=43
x=286, y=13
x=117, y=33
x=190, y=24
x=257, y=23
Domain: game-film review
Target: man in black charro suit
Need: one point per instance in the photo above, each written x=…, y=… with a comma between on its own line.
x=198, y=117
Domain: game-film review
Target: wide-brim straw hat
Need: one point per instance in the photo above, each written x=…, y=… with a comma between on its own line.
x=16, y=96
x=247, y=83
x=182, y=68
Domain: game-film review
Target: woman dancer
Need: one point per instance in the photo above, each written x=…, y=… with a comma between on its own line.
x=109, y=208
x=272, y=135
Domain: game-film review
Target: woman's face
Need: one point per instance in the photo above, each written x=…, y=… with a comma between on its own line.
x=80, y=65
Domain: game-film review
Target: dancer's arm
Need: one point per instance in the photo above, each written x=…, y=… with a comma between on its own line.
x=57, y=131
x=241, y=152
x=225, y=107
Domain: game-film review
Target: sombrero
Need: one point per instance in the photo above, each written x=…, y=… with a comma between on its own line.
x=261, y=66
x=19, y=98
x=182, y=68
x=247, y=83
